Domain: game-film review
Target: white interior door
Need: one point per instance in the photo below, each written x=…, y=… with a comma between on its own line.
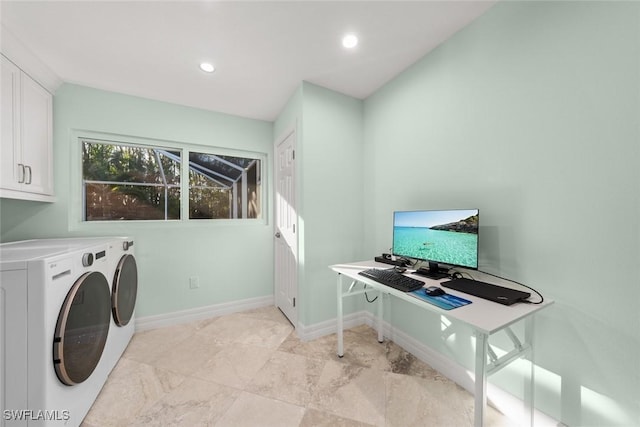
x=286, y=238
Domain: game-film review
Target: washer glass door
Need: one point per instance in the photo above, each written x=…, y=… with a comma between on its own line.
x=125, y=289
x=82, y=327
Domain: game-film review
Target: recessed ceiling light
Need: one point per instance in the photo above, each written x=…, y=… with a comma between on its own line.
x=350, y=41
x=207, y=68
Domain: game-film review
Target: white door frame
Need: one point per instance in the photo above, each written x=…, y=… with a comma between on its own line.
x=285, y=224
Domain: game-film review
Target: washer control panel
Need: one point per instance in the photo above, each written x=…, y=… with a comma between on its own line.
x=87, y=259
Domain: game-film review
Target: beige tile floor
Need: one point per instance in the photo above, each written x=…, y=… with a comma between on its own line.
x=250, y=369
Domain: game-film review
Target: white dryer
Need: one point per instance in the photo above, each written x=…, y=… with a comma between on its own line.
x=57, y=345
x=124, y=291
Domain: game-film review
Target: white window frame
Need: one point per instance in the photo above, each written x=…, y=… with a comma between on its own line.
x=76, y=214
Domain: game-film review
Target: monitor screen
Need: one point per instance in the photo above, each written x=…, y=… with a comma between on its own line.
x=438, y=236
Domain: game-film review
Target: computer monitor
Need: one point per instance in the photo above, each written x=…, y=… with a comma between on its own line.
x=437, y=236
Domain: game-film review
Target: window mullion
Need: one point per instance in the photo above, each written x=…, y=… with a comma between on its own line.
x=166, y=187
x=185, y=189
x=245, y=198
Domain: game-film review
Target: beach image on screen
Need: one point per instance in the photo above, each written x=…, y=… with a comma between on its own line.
x=449, y=237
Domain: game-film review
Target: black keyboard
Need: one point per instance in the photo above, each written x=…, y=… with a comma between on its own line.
x=393, y=279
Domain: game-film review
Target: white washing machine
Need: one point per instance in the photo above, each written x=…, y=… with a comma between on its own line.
x=58, y=341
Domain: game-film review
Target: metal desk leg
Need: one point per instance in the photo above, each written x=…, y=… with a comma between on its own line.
x=380, y=311
x=339, y=319
x=529, y=382
x=482, y=346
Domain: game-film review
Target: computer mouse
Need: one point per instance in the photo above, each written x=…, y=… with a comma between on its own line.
x=434, y=291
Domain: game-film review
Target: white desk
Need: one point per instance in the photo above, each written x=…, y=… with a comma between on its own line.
x=483, y=317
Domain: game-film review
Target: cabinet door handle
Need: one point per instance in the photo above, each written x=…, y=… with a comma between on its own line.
x=21, y=173
x=28, y=168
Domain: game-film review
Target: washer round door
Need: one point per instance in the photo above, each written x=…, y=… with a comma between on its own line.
x=125, y=290
x=82, y=328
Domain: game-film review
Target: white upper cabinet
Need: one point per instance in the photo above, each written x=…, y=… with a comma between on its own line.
x=9, y=128
x=26, y=148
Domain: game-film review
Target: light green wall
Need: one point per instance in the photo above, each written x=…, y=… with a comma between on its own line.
x=290, y=117
x=331, y=203
x=531, y=115
x=167, y=253
x=329, y=165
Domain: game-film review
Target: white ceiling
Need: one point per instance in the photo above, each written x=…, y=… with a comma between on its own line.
x=262, y=50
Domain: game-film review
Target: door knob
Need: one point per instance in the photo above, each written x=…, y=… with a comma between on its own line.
x=278, y=235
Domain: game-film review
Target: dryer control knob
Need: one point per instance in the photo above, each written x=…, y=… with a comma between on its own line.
x=126, y=245
x=87, y=259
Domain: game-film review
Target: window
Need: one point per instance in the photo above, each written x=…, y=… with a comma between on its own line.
x=122, y=182
x=223, y=186
x=136, y=182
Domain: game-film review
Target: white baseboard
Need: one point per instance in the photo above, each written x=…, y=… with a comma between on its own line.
x=328, y=327
x=185, y=316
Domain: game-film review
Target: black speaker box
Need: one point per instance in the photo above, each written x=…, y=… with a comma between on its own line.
x=385, y=260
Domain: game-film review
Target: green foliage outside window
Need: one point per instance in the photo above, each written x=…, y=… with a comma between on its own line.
x=216, y=181
x=129, y=183
x=126, y=182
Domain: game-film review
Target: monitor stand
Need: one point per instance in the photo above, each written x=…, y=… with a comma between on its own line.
x=433, y=272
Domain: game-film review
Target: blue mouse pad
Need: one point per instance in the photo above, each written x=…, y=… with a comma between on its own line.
x=445, y=302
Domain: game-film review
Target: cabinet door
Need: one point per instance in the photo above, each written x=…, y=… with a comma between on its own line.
x=10, y=169
x=35, y=132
